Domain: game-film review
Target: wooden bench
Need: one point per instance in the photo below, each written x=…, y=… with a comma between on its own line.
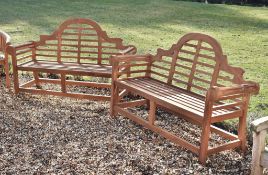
x=259, y=151
x=192, y=79
x=4, y=42
x=79, y=47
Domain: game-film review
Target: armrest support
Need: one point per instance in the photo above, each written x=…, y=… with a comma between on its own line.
x=218, y=92
x=13, y=48
x=123, y=64
x=260, y=124
x=23, y=48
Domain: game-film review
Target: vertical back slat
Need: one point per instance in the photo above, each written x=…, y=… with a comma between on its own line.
x=79, y=44
x=59, y=48
x=172, y=69
x=99, y=50
x=194, y=66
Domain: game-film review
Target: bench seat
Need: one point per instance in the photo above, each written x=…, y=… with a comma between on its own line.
x=71, y=68
x=175, y=98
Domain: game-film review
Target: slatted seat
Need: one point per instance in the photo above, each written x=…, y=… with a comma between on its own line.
x=72, y=68
x=176, y=98
x=79, y=47
x=192, y=79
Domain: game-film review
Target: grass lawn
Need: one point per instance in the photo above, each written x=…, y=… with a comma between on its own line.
x=150, y=24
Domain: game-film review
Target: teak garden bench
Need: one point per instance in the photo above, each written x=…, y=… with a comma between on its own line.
x=79, y=47
x=4, y=42
x=192, y=79
x=259, y=151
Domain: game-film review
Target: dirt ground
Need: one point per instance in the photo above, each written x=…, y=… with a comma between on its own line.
x=53, y=135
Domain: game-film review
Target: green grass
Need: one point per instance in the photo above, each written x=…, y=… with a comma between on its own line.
x=150, y=24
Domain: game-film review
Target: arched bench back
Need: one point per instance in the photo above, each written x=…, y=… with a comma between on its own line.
x=80, y=41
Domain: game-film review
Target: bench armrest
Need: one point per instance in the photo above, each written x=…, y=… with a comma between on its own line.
x=21, y=52
x=12, y=48
x=260, y=124
x=219, y=98
x=219, y=92
x=130, y=64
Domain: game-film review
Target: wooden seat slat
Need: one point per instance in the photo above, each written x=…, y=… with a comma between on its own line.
x=175, y=91
x=189, y=94
x=69, y=67
x=166, y=95
x=179, y=98
x=152, y=95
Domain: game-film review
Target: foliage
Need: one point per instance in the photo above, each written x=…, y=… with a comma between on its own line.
x=240, y=2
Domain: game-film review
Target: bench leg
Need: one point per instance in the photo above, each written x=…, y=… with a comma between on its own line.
x=242, y=133
x=152, y=112
x=203, y=152
x=16, y=80
x=242, y=127
x=7, y=75
x=114, y=99
x=63, y=83
x=36, y=78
